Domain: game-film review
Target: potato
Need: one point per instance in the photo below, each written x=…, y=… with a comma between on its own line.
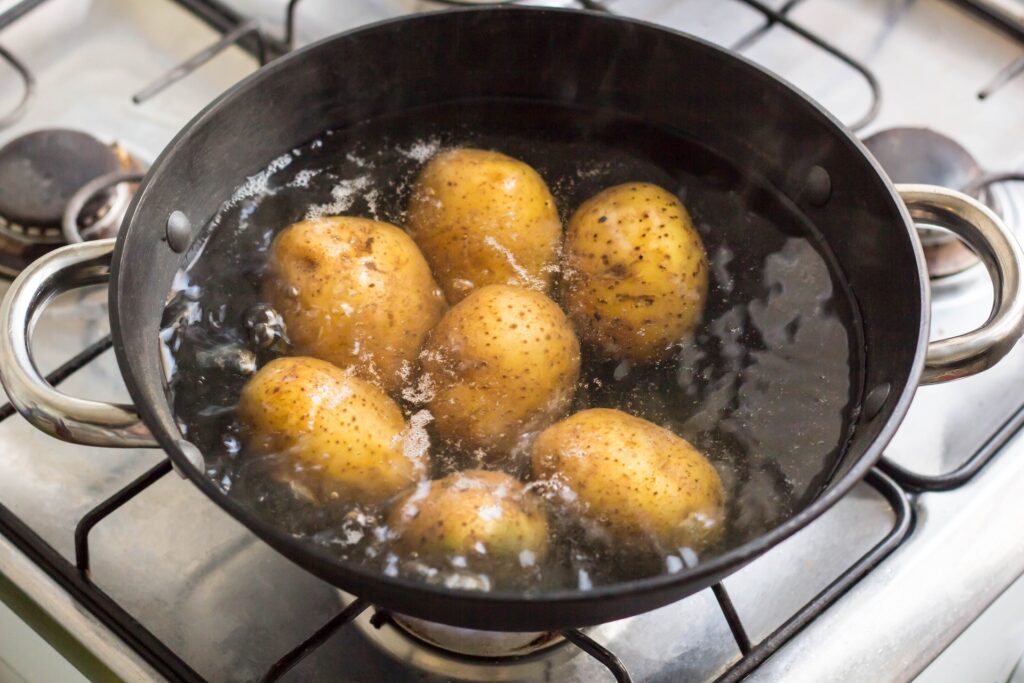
x=355, y=292
x=632, y=477
x=338, y=434
x=475, y=514
x=502, y=362
x=635, y=274
x=483, y=218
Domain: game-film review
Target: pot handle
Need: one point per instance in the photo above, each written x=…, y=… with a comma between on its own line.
x=81, y=421
x=988, y=236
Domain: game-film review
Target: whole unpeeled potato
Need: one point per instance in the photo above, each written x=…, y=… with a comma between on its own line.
x=336, y=434
x=635, y=274
x=484, y=218
x=355, y=292
x=472, y=513
x=502, y=362
x=636, y=479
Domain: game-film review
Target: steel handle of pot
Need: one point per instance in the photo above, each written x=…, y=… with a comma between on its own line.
x=988, y=236
x=81, y=421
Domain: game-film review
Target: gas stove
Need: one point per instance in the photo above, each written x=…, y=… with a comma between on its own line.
x=131, y=571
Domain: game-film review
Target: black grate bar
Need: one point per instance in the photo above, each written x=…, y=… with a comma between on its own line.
x=902, y=527
x=779, y=17
x=752, y=37
x=991, y=179
x=236, y=35
x=598, y=652
x=993, y=12
x=289, y=24
x=1005, y=75
x=286, y=663
x=959, y=476
x=218, y=16
x=732, y=618
x=101, y=511
x=28, y=80
x=17, y=12
x=80, y=360
x=28, y=88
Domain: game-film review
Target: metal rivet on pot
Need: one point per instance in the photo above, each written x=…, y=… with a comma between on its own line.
x=179, y=231
x=817, y=187
x=191, y=452
x=875, y=400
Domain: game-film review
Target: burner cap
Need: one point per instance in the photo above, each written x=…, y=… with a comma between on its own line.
x=40, y=171
x=920, y=155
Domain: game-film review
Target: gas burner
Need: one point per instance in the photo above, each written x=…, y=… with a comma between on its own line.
x=921, y=155
x=42, y=174
x=467, y=654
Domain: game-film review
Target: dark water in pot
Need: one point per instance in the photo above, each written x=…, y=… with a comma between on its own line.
x=765, y=388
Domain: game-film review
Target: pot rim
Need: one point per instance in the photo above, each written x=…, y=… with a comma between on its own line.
x=317, y=561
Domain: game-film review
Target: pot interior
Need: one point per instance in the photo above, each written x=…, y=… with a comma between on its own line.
x=767, y=387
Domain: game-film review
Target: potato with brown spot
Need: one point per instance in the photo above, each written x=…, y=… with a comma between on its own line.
x=337, y=435
x=484, y=218
x=635, y=273
x=502, y=362
x=355, y=292
x=485, y=516
x=638, y=480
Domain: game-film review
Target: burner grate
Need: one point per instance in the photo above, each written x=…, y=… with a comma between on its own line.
x=773, y=17
x=780, y=17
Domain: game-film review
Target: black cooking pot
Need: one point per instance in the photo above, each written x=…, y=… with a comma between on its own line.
x=577, y=59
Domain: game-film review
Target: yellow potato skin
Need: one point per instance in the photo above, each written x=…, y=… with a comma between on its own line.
x=502, y=362
x=638, y=480
x=635, y=273
x=469, y=511
x=339, y=432
x=355, y=292
x=484, y=218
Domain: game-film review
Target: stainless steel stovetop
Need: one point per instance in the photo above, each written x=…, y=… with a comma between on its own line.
x=228, y=606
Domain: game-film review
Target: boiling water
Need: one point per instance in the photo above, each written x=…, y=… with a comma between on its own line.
x=765, y=388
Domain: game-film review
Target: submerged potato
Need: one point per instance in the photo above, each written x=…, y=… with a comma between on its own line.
x=635, y=274
x=484, y=218
x=634, y=478
x=339, y=434
x=355, y=292
x=474, y=513
x=502, y=362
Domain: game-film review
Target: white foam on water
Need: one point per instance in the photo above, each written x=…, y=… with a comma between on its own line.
x=258, y=185
x=421, y=150
x=303, y=177
x=343, y=195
